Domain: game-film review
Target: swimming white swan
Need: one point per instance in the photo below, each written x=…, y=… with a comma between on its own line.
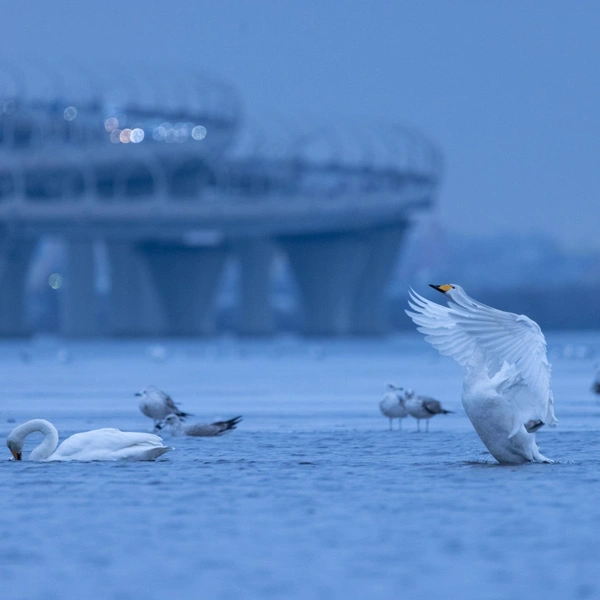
x=506, y=388
x=392, y=405
x=199, y=429
x=99, y=444
x=423, y=407
x=157, y=405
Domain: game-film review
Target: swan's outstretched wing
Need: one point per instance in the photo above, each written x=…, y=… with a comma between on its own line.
x=439, y=325
x=110, y=444
x=460, y=328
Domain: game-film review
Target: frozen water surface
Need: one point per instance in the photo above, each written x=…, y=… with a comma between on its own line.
x=311, y=497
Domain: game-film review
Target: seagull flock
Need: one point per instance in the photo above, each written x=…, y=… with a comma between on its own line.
x=399, y=403
x=507, y=393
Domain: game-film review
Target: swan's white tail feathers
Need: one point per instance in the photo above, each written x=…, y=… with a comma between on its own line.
x=507, y=378
x=517, y=425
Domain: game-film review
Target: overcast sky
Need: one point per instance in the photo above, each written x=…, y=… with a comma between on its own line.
x=509, y=90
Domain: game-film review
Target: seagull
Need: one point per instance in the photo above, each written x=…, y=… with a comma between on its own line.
x=157, y=405
x=173, y=422
x=392, y=405
x=506, y=387
x=423, y=407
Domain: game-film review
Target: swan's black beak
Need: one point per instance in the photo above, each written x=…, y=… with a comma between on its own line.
x=441, y=288
x=17, y=455
x=138, y=394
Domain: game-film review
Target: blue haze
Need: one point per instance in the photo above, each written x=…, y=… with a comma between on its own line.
x=509, y=89
x=311, y=497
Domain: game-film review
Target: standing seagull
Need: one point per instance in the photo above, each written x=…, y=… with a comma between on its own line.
x=423, y=407
x=392, y=405
x=175, y=426
x=506, y=387
x=157, y=405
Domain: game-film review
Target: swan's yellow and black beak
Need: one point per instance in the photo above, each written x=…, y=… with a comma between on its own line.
x=17, y=455
x=442, y=288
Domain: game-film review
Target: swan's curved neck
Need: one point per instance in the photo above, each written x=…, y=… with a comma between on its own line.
x=17, y=436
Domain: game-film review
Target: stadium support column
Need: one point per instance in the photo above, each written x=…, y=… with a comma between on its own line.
x=383, y=246
x=14, y=265
x=187, y=279
x=256, y=258
x=78, y=293
x=134, y=307
x=327, y=268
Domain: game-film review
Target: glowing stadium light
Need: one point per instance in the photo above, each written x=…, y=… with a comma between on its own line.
x=170, y=135
x=125, y=136
x=159, y=133
x=70, y=113
x=111, y=124
x=137, y=135
x=115, y=136
x=180, y=133
x=199, y=132
x=167, y=132
x=55, y=281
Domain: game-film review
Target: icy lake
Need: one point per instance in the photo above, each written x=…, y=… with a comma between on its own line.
x=311, y=497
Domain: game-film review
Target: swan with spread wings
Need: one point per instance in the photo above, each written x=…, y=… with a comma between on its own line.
x=506, y=388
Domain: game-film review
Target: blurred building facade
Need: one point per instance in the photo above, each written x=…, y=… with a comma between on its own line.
x=151, y=189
